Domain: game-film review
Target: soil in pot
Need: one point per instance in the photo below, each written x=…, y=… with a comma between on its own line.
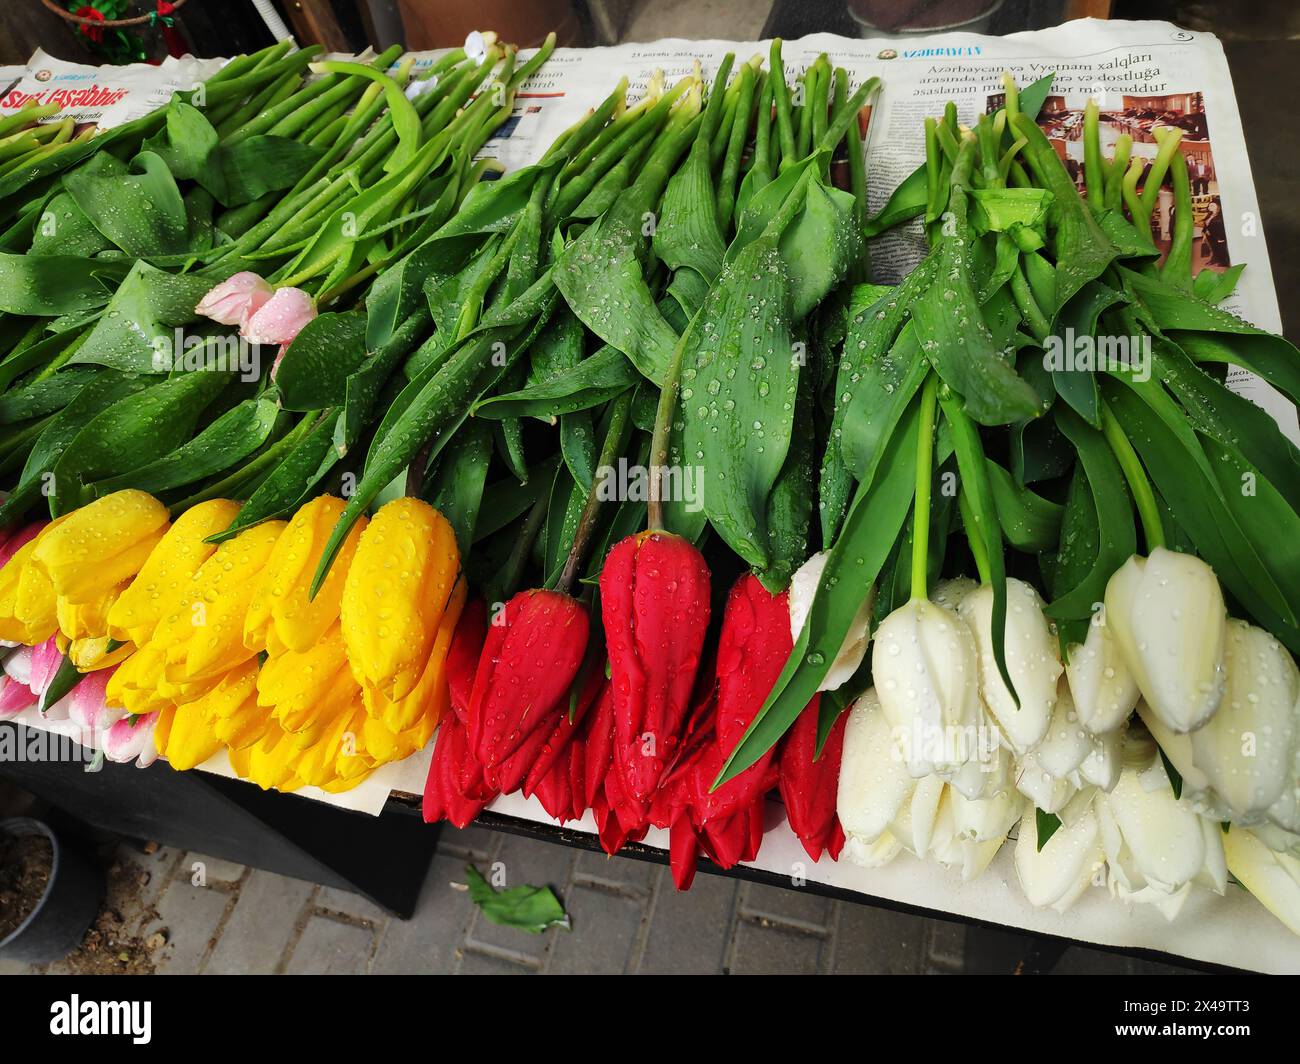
x=25, y=865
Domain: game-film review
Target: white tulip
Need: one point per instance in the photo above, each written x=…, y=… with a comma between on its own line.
x=1167, y=616
x=1032, y=660
x=926, y=669
x=1157, y=846
x=1103, y=688
x=1055, y=876
x=1247, y=749
x=1066, y=745
x=881, y=808
x=803, y=588
x=1272, y=877
x=1102, y=766
x=968, y=834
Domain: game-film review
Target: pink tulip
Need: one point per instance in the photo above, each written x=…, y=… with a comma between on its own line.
x=14, y=697
x=235, y=300
x=131, y=739
x=46, y=659
x=280, y=318
x=17, y=539
x=86, y=706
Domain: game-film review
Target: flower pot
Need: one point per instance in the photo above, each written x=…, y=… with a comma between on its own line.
x=66, y=908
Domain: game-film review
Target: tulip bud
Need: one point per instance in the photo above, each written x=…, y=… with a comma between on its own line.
x=1156, y=845
x=1167, y=615
x=532, y=653
x=450, y=792
x=28, y=604
x=1055, y=876
x=1031, y=658
x=101, y=545
x=968, y=833
x=809, y=784
x=880, y=806
x=156, y=590
x=1101, y=684
x=236, y=299
x=1273, y=878
x=401, y=579
x=282, y=615
x=1247, y=750
x=803, y=588
x=654, y=590
x=279, y=319
x=926, y=668
x=131, y=739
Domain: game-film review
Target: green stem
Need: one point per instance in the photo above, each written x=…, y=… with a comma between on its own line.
x=1094, y=176
x=662, y=429
x=924, y=476
x=615, y=440
x=978, y=548
x=514, y=567
x=1152, y=527
x=781, y=97
x=1178, y=263
x=251, y=469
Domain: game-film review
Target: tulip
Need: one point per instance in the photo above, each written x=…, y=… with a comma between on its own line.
x=1155, y=844
x=881, y=808
x=1101, y=684
x=1167, y=615
x=969, y=832
x=282, y=614
x=396, y=592
x=235, y=300
x=203, y=639
x=14, y=697
x=925, y=664
x=28, y=604
x=1273, y=878
x=447, y=795
x=306, y=692
x=809, y=784
x=803, y=588
x=131, y=739
x=1248, y=749
x=102, y=545
x=1031, y=659
x=168, y=570
x=654, y=591
x=463, y=654
x=86, y=705
x=184, y=736
x=532, y=653
x=280, y=318
x=1056, y=875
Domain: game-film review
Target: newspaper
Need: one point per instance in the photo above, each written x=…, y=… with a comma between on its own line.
x=100, y=96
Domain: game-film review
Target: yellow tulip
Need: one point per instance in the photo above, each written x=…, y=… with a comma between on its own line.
x=237, y=720
x=309, y=689
x=133, y=686
x=430, y=697
x=187, y=739
x=204, y=638
x=101, y=545
x=397, y=589
x=269, y=761
x=281, y=615
x=28, y=604
x=316, y=764
x=165, y=577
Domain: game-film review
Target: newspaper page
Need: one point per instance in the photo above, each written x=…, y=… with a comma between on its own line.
x=100, y=96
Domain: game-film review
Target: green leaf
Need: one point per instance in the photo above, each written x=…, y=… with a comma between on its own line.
x=592, y=382
x=1046, y=825
x=457, y=488
x=141, y=320
x=46, y=395
x=131, y=433
x=231, y=438
x=1114, y=517
x=531, y=909
x=1029, y=522
x=142, y=213
x=65, y=678
x=906, y=202
x=1175, y=777
x=45, y=286
x=316, y=367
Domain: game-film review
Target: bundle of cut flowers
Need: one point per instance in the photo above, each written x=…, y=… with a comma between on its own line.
x=706, y=516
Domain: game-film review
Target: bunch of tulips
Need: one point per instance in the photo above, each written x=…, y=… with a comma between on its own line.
x=890, y=562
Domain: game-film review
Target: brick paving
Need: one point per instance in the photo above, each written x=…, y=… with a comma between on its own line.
x=219, y=917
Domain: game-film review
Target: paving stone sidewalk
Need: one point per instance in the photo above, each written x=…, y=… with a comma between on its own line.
x=220, y=917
